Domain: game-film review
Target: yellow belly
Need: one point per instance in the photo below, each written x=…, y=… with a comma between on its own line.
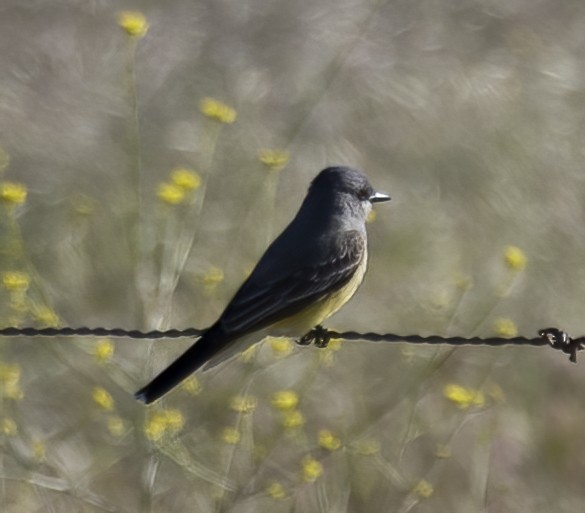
x=315, y=314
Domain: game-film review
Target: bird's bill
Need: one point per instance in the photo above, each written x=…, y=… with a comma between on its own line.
x=379, y=197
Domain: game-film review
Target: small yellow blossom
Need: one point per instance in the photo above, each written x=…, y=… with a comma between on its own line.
x=186, y=178
x=328, y=440
x=248, y=355
x=174, y=419
x=423, y=489
x=155, y=427
x=443, y=451
x=10, y=382
x=463, y=397
x=191, y=385
x=274, y=159
x=8, y=427
x=39, y=450
x=292, y=419
x=371, y=216
x=163, y=421
x=368, y=446
x=170, y=193
x=515, y=258
x=46, y=316
x=104, y=350
x=276, y=491
x=12, y=193
x=103, y=398
x=216, y=110
x=281, y=346
x=505, y=327
x=231, y=436
x=212, y=278
x=311, y=469
x=285, y=400
x=133, y=22
x=243, y=403
x=15, y=281
x=9, y=374
x=116, y=426
x=408, y=353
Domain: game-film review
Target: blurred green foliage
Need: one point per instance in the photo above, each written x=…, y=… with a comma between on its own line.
x=149, y=157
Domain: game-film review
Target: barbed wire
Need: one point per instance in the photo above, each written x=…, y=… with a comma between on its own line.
x=552, y=337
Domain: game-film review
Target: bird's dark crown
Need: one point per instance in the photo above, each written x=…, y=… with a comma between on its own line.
x=343, y=179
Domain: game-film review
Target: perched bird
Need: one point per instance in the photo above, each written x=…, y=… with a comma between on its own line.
x=308, y=273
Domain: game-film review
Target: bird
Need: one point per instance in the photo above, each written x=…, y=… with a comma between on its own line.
x=306, y=275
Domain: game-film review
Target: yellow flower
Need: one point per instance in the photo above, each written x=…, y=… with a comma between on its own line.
x=155, y=427
x=186, y=179
x=39, y=450
x=170, y=193
x=274, y=159
x=174, y=419
x=443, y=451
x=276, y=491
x=248, y=355
x=243, y=403
x=463, y=397
x=505, y=327
x=46, y=316
x=133, y=22
x=10, y=381
x=311, y=469
x=13, y=193
x=104, y=350
x=103, y=398
x=328, y=440
x=423, y=489
x=515, y=258
x=282, y=346
x=231, y=436
x=368, y=446
x=285, y=400
x=191, y=385
x=216, y=110
x=8, y=427
x=163, y=421
x=212, y=276
x=116, y=426
x=15, y=281
x=292, y=419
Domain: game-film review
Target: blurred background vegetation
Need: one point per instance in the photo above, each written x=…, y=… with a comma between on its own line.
x=151, y=150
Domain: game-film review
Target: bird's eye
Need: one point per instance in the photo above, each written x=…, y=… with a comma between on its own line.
x=363, y=194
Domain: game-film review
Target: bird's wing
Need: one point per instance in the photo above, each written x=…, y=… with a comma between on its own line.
x=261, y=302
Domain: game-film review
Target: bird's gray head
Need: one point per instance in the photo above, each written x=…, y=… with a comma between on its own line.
x=347, y=188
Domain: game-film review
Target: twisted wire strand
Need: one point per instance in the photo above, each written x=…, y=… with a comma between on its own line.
x=553, y=337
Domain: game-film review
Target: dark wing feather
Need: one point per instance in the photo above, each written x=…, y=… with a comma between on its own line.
x=261, y=302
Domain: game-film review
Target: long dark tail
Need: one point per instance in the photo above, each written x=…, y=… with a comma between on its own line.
x=182, y=367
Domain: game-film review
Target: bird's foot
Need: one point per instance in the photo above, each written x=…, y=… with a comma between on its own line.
x=319, y=334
